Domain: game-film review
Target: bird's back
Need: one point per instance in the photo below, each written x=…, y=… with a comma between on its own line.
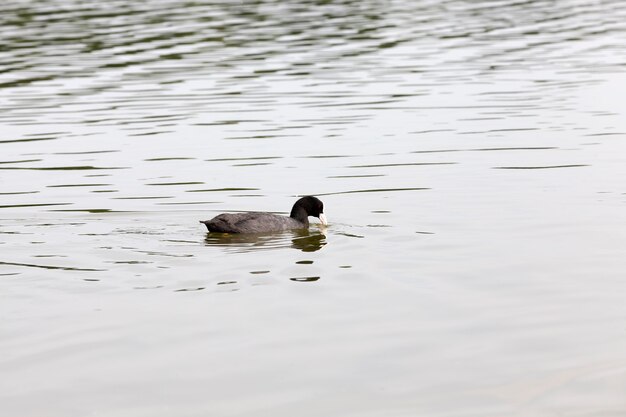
x=252, y=222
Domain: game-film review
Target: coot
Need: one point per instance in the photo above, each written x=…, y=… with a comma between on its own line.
x=255, y=222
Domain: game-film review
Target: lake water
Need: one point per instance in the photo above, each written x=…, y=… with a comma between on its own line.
x=470, y=155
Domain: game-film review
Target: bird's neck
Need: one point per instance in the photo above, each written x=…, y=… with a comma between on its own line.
x=300, y=214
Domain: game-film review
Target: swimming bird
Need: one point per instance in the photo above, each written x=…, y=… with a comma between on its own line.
x=257, y=222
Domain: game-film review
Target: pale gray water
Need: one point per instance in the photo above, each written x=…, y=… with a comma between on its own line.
x=470, y=155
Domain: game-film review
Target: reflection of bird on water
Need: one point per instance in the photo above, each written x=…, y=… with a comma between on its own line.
x=302, y=240
x=308, y=242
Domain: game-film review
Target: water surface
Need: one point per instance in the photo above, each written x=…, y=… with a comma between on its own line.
x=469, y=155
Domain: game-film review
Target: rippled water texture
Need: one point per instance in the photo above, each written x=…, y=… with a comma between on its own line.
x=470, y=156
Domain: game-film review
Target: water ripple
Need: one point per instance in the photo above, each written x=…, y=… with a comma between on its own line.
x=277, y=41
x=375, y=190
x=64, y=268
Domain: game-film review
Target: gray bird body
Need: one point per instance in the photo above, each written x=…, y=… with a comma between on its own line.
x=257, y=222
x=253, y=222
